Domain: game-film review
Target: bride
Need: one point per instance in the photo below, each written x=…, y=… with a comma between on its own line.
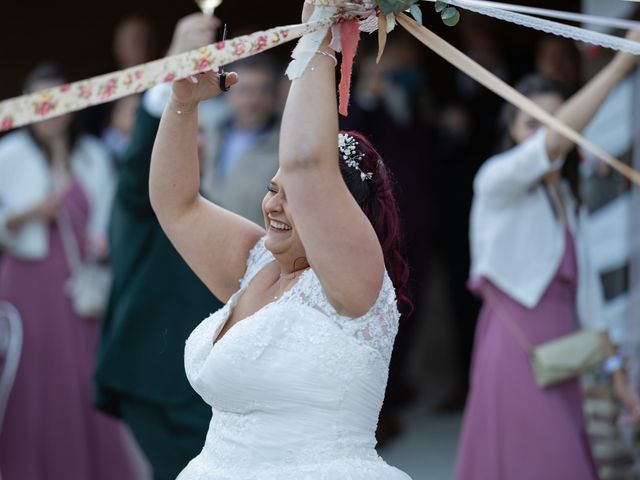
x=295, y=365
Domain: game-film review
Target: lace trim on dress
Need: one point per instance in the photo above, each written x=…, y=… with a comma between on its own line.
x=376, y=329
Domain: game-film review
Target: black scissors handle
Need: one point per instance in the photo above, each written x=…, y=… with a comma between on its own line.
x=223, y=74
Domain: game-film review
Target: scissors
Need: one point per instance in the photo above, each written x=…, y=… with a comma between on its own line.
x=223, y=74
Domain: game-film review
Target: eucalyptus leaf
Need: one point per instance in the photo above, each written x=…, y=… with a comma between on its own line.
x=392, y=6
x=416, y=13
x=450, y=17
x=440, y=6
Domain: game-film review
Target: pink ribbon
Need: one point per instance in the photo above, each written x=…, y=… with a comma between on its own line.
x=350, y=35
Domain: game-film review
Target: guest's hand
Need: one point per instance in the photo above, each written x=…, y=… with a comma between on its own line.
x=629, y=399
x=46, y=211
x=626, y=61
x=193, y=31
x=633, y=35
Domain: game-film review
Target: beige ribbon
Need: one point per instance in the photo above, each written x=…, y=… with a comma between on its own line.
x=382, y=35
x=493, y=83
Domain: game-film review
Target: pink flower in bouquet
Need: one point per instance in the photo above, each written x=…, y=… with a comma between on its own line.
x=44, y=107
x=220, y=45
x=138, y=74
x=170, y=77
x=65, y=88
x=262, y=42
x=285, y=33
x=7, y=123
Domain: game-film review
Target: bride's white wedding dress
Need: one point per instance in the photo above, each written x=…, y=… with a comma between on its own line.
x=295, y=388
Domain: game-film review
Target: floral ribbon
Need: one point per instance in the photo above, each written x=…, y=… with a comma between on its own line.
x=53, y=102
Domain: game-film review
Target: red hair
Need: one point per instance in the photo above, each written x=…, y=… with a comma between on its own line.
x=377, y=200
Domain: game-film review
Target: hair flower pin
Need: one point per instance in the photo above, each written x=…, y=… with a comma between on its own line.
x=348, y=149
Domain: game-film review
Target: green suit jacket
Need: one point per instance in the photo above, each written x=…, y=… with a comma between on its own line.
x=156, y=300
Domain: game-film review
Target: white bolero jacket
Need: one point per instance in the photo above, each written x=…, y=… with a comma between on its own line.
x=25, y=181
x=517, y=240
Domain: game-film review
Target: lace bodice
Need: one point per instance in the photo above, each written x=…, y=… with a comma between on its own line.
x=295, y=388
x=376, y=329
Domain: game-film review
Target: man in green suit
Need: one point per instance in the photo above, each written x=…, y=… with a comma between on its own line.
x=155, y=303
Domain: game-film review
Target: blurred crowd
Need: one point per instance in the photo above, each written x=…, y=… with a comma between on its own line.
x=76, y=187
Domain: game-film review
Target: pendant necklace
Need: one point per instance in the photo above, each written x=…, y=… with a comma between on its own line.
x=287, y=276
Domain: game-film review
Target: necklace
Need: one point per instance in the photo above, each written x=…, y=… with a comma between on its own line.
x=287, y=276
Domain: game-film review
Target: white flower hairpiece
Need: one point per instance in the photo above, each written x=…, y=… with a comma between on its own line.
x=348, y=149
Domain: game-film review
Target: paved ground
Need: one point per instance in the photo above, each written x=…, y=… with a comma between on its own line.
x=427, y=449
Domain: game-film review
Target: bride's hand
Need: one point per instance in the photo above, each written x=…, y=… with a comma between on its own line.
x=307, y=11
x=188, y=92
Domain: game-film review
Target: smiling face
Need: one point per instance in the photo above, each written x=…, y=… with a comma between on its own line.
x=282, y=239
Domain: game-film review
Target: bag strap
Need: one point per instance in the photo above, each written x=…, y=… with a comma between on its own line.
x=507, y=320
x=69, y=241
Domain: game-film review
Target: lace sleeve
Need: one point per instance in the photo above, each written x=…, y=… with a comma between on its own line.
x=376, y=329
x=259, y=256
x=379, y=326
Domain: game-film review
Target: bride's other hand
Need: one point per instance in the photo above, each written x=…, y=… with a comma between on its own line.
x=191, y=32
x=188, y=92
x=213, y=241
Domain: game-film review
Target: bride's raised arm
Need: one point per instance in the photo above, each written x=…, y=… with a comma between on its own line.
x=213, y=241
x=340, y=242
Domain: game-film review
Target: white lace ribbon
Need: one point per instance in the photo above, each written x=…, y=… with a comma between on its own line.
x=548, y=26
x=558, y=14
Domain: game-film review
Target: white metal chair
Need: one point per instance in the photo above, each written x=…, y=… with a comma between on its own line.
x=10, y=350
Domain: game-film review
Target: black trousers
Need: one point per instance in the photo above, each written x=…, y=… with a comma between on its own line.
x=169, y=435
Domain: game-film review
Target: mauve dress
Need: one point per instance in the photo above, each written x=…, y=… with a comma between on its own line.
x=512, y=429
x=51, y=431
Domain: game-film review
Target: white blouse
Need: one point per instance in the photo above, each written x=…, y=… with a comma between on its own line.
x=517, y=240
x=25, y=181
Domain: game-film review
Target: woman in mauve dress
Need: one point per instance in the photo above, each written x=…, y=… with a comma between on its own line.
x=51, y=430
x=529, y=267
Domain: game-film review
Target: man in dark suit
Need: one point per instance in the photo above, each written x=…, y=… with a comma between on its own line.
x=155, y=303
